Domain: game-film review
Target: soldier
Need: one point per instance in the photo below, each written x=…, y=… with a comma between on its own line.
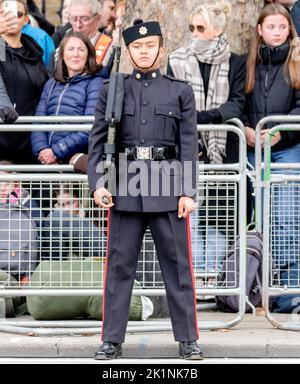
x=158, y=138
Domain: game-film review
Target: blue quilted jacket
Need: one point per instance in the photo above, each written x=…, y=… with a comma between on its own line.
x=78, y=97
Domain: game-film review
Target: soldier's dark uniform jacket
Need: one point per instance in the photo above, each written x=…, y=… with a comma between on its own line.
x=159, y=114
x=158, y=111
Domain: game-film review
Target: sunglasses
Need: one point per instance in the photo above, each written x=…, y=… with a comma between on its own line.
x=20, y=14
x=199, y=28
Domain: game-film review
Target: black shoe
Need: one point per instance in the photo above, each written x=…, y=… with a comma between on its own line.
x=109, y=350
x=190, y=350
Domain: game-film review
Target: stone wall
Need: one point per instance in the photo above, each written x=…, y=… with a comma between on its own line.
x=52, y=7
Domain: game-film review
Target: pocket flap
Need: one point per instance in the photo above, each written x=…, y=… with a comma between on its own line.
x=128, y=109
x=167, y=110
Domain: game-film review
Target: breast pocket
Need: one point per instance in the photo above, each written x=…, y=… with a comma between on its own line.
x=128, y=121
x=166, y=121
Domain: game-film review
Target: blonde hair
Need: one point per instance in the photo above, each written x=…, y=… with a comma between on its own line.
x=216, y=15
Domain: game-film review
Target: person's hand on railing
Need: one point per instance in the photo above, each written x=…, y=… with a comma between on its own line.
x=250, y=136
x=186, y=205
x=8, y=115
x=46, y=156
x=275, y=139
x=8, y=22
x=103, y=198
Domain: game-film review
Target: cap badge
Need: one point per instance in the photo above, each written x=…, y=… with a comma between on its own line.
x=143, y=31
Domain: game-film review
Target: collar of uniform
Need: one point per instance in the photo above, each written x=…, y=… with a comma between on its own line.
x=151, y=75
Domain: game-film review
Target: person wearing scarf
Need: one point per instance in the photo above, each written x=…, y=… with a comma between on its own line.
x=218, y=79
x=216, y=75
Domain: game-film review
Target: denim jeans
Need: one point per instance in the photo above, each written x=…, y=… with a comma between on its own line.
x=289, y=277
x=208, y=247
x=285, y=203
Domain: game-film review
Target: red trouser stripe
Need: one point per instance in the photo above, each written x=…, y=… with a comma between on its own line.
x=105, y=272
x=192, y=269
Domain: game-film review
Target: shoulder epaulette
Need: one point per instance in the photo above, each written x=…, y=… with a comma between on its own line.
x=175, y=79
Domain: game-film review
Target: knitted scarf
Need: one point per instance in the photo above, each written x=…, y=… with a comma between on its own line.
x=185, y=65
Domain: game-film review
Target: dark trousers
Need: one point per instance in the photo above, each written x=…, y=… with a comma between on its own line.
x=170, y=235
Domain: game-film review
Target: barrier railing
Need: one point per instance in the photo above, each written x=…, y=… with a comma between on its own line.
x=85, y=236
x=258, y=185
x=281, y=267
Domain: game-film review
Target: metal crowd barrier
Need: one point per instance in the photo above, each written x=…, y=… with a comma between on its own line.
x=281, y=218
x=70, y=227
x=258, y=184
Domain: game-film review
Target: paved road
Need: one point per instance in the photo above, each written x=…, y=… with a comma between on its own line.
x=148, y=361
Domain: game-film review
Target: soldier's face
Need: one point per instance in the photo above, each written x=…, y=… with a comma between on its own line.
x=145, y=53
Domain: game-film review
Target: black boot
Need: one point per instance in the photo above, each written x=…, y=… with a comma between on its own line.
x=108, y=351
x=190, y=350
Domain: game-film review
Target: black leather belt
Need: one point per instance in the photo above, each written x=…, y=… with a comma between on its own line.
x=149, y=153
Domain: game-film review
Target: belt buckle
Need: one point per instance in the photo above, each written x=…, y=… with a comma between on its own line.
x=144, y=153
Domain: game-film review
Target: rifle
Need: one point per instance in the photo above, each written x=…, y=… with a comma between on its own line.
x=113, y=115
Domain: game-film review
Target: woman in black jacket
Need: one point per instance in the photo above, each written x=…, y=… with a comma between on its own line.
x=24, y=75
x=273, y=88
x=208, y=65
x=218, y=79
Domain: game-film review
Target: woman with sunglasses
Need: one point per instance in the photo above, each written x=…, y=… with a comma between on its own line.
x=24, y=75
x=218, y=79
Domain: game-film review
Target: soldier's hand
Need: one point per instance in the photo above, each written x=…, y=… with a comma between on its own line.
x=186, y=206
x=99, y=194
